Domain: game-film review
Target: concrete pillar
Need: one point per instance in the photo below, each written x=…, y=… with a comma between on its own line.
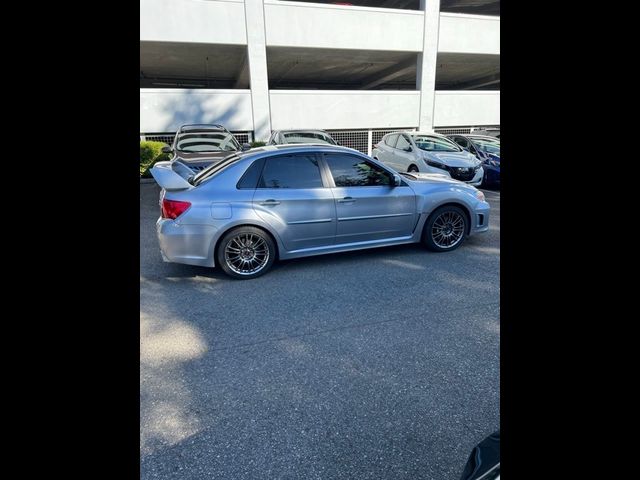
x=257, y=59
x=426, y=78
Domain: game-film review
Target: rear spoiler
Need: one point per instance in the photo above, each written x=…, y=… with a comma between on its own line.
x=167, y=178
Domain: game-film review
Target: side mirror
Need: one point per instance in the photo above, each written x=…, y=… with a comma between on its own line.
x=396, y=180
x=166, y=149
x=245, y=146
x=338, y=144
x=408, y=149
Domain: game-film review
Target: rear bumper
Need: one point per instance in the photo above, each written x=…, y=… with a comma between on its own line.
x=480, y=220
x=189, y=244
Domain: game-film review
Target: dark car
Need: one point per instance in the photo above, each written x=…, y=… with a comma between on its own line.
x=198, y=146
x=284, y=137
x=487, y=150
x=484, y=460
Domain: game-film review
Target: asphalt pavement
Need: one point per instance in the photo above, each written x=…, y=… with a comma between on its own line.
x=377, y=364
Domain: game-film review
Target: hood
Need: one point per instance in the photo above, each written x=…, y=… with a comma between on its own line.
x=454, y=159
x=429, y=178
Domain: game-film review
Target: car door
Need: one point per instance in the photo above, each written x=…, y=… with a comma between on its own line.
x=292, y=198
x=385, y=148
x=368, y=206
x=404, y=154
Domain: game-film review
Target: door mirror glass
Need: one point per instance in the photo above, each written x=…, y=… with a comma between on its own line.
x=397, y=181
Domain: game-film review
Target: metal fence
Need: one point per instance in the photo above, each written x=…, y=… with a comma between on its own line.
x=362, y=140
x=460, y=130
x=167, y=137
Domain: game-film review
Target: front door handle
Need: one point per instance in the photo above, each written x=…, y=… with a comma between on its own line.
x=347, y=200
x=270, y=202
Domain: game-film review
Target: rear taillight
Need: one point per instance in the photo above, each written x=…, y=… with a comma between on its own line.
x=173, y=208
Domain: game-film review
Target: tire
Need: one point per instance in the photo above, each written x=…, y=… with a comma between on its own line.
x=412, y=169
x=445, y=229
x=246, y=252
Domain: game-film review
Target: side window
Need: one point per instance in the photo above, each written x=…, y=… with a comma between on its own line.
x=462, y=142
x=352, y=171
x=391, y=140
x=251, y=176
x=403, y=143
x=291, y=171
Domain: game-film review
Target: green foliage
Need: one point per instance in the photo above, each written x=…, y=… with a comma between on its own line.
x=257, y=144
x=150, y=153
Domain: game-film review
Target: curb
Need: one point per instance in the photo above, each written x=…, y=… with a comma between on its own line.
x=147, y=180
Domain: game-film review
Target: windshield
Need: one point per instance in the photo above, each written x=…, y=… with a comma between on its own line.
x=308, y=137
x=486, y=145
x=207, y=142
x=215, y=168
x=435, y=144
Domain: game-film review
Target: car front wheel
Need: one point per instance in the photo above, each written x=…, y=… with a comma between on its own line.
x=246, y=252
x=445, y=229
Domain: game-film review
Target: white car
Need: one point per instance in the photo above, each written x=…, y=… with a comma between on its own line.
x=428, y=152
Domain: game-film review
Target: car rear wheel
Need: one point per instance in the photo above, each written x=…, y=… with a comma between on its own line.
x=412, y=169
x=246, y=252
x=445, y=229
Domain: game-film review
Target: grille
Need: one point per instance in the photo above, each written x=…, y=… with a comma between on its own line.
x=463, y=174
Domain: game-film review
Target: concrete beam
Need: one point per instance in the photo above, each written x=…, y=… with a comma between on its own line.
x=257, y=59
x=426, y=74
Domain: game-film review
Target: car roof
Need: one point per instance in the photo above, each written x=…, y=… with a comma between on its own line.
x=204, y=130
x=424, y=132
x=297, y=148
x=486, y=137
x=303, y=130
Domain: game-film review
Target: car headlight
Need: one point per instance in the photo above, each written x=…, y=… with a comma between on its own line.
x=435, y=164
x=480, y=195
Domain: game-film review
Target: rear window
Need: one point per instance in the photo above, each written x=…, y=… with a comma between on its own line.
x=307, y=137
x=207, y=142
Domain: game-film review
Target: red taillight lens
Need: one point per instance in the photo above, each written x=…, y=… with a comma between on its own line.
x=173, y=208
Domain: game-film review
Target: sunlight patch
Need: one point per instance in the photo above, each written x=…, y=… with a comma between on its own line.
x=175, y=342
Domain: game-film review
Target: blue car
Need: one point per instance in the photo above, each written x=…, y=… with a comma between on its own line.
x=487, y=150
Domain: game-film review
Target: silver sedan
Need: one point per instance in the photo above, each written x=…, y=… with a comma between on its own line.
x=289, y=201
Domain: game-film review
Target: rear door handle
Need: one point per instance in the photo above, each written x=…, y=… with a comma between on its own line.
x=270, y=202
x=347, y=200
